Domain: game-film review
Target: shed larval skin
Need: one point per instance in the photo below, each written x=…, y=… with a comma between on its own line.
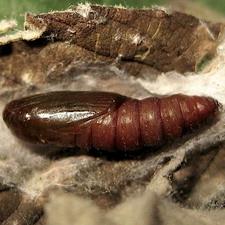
x=105, y=121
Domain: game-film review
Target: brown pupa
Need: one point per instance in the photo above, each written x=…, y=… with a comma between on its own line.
x=105, y=121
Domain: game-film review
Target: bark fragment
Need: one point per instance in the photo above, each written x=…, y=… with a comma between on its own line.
x=7, y=197
x=148, y=36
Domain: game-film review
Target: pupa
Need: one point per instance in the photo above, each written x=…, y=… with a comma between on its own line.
x=105, y=121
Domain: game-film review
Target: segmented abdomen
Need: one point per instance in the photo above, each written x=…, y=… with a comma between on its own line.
x=150, y=122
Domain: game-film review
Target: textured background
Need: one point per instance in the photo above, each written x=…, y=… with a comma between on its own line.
x=190, y=172
x=17, y=8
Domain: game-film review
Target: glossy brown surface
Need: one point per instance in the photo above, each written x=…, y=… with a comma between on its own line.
x=58, y=118
x=105, y=121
